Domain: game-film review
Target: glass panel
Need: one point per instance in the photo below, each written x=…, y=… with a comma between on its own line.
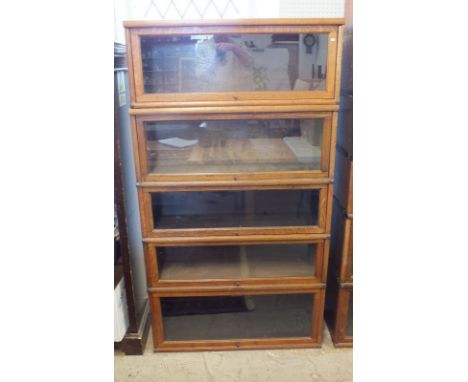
x=236, y=262
x=228, y=317
x=234, y=146
x=214, y=209
x=349, y=318
x=229, y=63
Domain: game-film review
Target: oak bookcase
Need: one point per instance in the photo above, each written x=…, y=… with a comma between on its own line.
x=234, y=132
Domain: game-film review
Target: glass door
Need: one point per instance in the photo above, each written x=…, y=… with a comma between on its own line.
x=235, y=147
x=234, y=212
x=234, y=64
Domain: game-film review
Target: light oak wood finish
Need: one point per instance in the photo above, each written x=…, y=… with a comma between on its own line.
x=129, y=62
x=236, y=239
x=314, y=340
x=229, y=106
x=338, y=63
x=277, y=286
x=238, y=22
x=331, y=27
x=327, y=159
x=233, y=276
x=241, y=108
x=150, y=231
x=255, y=181
x=193, y=107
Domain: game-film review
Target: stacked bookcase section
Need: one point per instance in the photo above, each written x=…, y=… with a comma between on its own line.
x=234, y=132
x=339, y=301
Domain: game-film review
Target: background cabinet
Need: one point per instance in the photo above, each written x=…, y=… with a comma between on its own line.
x=339, y=303
x=129, y=272
x=235, y=180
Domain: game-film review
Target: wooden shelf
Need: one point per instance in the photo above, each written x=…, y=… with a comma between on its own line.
x=241, y=263
x=237, y=219
x=232, y=155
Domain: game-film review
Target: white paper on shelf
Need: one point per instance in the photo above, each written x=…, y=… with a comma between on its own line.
x=301, y=85
x=178, y=142
x=302, y=149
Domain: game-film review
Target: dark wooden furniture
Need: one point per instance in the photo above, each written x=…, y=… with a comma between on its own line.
x=234, y=132
x=138, y=307
x=339, y=309
x=339, y=301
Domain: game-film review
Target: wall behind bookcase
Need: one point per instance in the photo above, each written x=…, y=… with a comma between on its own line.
x=221, y=9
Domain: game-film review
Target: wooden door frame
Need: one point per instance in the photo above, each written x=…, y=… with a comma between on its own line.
x=314, y=341
x=152, y=265
x=149, y=231
x=327, y=160
x=332, y=27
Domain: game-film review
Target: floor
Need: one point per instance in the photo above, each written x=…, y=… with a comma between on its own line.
x=322, y=365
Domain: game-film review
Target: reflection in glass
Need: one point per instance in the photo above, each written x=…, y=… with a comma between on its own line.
x=228, y=317
x=215, y=209
x=236, y=262
x=228, y=63
x=234, y=145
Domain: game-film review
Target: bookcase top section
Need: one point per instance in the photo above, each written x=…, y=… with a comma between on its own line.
x=234, y=22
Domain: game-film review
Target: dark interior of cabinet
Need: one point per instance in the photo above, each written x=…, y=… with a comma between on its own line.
x=214, y=209
x=237, y=317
